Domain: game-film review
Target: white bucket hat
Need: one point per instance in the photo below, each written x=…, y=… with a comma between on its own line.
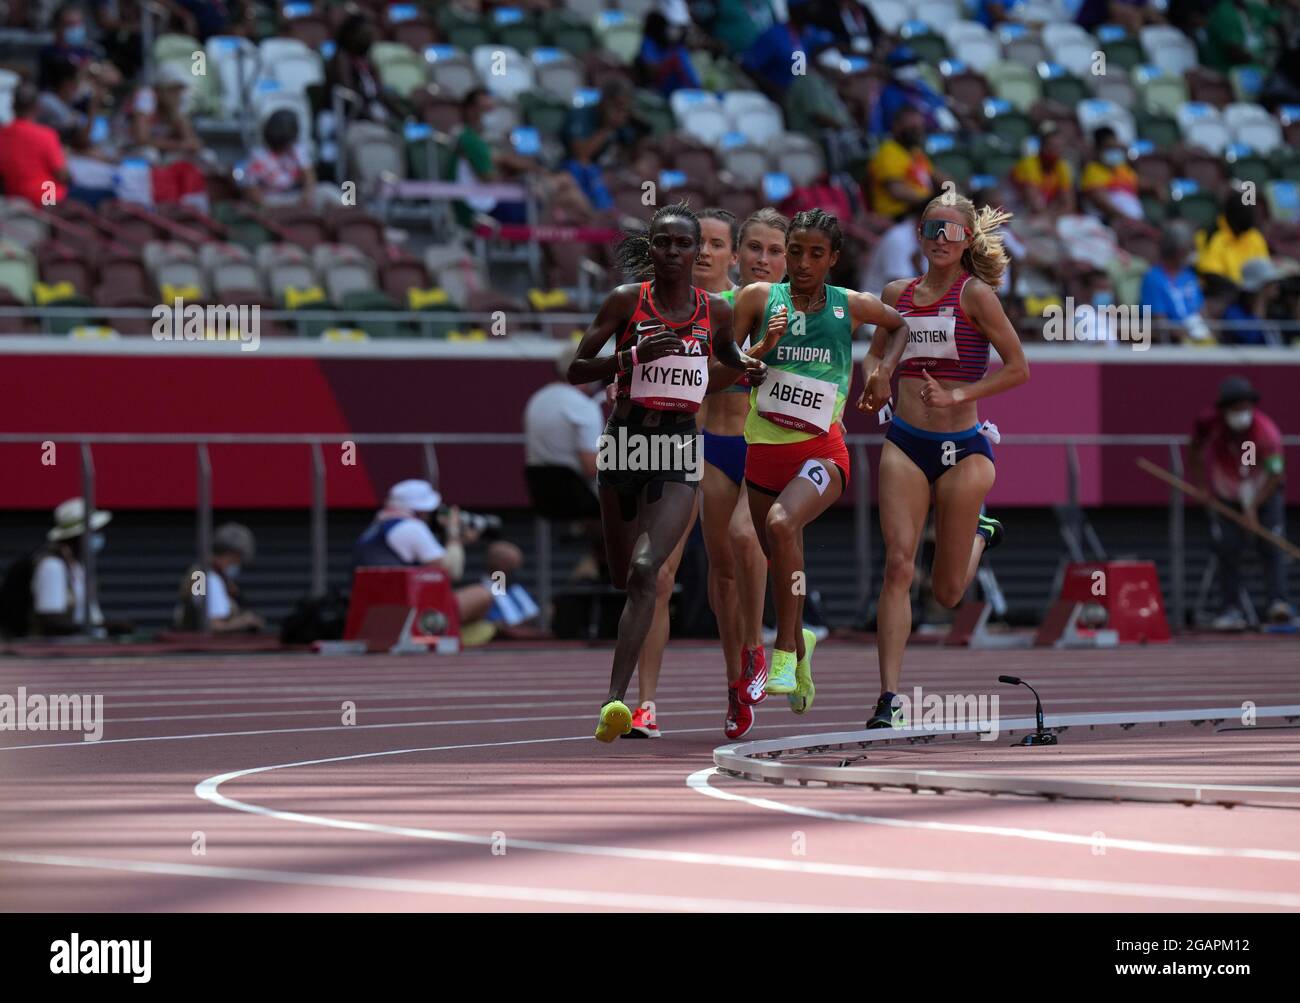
x=417, y=495
x=70, y=520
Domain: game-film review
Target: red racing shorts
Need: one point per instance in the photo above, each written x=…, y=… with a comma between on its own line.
x=769, y=468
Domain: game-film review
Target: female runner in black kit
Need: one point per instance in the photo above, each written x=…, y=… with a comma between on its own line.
x=649, y=457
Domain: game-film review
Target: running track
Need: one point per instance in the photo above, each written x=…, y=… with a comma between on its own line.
x=472, y=783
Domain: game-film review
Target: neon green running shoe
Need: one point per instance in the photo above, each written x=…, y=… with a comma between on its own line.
x=615, y=720
x=801, y=700
x=780, y=677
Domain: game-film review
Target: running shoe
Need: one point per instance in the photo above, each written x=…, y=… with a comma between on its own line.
x=643, y=724
x=801, y=700
x=753, y=675
x=780, y=678
x=887, y=714
x=615, y=720
x=992, y=531
x=740, y=716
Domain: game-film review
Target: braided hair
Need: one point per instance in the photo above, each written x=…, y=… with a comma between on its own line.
x=633, y=253
x=821, y=220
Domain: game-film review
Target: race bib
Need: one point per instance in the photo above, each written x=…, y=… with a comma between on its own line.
x=931, y=338
x=673, y=383
x=797, y=402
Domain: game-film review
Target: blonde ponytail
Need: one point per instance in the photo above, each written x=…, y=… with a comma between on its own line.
x=986, y=258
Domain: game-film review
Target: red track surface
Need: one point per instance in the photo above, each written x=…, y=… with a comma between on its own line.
x=452, y=759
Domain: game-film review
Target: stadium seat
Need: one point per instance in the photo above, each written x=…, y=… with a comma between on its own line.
x=372, y=151
x=1061, y=86
x=557, y=72
x=889, y=14
x=173, y=263
x=237, y=65
x=700, y=114
x=503, y=71
x=269, y=96
x=396, y=278
x=1283, y=201
x=754, y=115
x=1252, y=126
x=1205, y=168
x=124, y=274
x=451, y=72
x=1247, y=82
x=1202, y=126
x=654, y=110
x=1010, y=126
x=284, y=266
x=1075, y=53
x=569, y=30
x=343, y=270
x=618, y=34
x=400, y=67
x=928, y=45
x=229, y=268
x=1014, y=83
x=1208, y=86
x=464, y=29
x=291, y=64
x=1160, y=130
x=1168, y=48
x=1198, y=207
x=1160, y=93
x=515, y=28
x=1025, y=50
x=972, y=44
x=17, y=271
x=1244, y=164
x=747, y=162
x=310, y=29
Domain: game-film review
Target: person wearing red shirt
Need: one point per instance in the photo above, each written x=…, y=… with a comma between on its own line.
x=1236, y=455
x=32, y=165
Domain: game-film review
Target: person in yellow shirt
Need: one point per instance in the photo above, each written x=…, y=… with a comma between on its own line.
x=1236, y=241
x=1044, y=180
x=900, y=175
x=1109, y=184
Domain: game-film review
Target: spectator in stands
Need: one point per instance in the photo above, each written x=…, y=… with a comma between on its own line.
x=72, y=44
x=901, y=175
x=1238, y=32
x=738, y=23
x=596, y=135
x=1109, y=185
x=771, y=59
x=896, y=256
x=119, y=31
x=562, y=428
x=58, y=578
x=1131, y=14
x=1235, y=241
x=1255, y=311
x=205, y=18
x=992, y=13
x=1044, y=179
x=1172, y=292
x=68, y=104
x=907, y=89
x=350, y=68
x=850, y=24
x=157, y=122
x=233, y=549
x=475, y=161
x=279, y=172
x=663, y=64
x=1236, y=457
x=32, y=163
x=1281, y=85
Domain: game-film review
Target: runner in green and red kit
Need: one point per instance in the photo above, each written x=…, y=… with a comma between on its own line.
x=797, y=464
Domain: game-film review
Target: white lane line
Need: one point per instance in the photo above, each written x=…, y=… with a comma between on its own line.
x=699, y=782
x=460, y=889
x=209, y=790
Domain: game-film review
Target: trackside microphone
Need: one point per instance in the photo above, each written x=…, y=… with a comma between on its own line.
x=1041, y=737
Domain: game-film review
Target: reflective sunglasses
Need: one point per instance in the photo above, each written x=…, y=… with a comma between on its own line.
x=932, y=229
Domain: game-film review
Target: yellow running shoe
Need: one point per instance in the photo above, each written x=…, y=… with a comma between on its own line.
x=780, y=677
x=801, y=700
x=615, y=720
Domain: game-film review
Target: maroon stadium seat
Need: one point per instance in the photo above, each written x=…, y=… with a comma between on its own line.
x=1209, y=86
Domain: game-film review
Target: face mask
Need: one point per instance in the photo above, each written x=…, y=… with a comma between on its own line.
x=1239, y=421
x=1113, y=157
x=75, y=35
x=908, y=74
x=96, y=542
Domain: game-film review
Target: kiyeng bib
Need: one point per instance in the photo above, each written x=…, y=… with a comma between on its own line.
x=808, y=372
x=931, y=339
x=675, y=382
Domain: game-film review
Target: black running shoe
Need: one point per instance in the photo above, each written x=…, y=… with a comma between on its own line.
x=886, y=714
x=992, y=531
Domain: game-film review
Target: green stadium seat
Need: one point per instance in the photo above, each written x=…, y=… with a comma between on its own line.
x=1125, y=52
x=1162, y=94
x=956, y=164
x=568, y=32
x=998, y=164
x=525, y=37
x=1159, y=129
x=1016, y=83
x=655, y=110
x=1251, y=168
x=1200, y=209
x=544, y=113
x=1154, y=210
x=1066, y=90
x=371, y=300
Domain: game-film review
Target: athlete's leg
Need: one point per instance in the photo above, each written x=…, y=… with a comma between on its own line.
x=800, y=502
x=958, y=496
x=720, y=495
x=751, y=572
x=904, y=503
x=652, y=655
x=618, y=522
x=664, y=513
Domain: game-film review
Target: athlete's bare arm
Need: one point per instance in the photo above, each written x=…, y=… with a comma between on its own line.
x=730, y=360
x=614, y=314
x=984, y=309
x=890, y=337
x=751, y=302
